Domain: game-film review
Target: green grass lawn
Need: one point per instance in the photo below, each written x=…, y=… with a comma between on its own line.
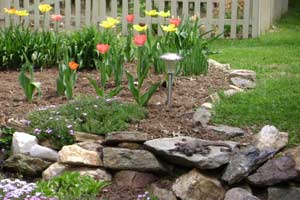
x=275, y=57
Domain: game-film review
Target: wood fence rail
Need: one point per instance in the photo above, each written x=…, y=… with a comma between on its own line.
x=234, y=18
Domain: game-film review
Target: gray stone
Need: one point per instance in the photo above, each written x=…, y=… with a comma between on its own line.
x=196, y=186
x=214, y=159
x=277, y=170
x=26, y=165
x=82, y=137
x=245, y=161
x=239, y=194
x=295, y=154
x=283, y=193
x=133, y=179
x=214, y=98
x=243, y=73
x=57, y=169
x=202, y=116
x=162, y=193
x=207, y=105
x=227, y=130
x=270, y=137
x=23, y=142
x=212, y=64
x=75, y=155
x=125, y=136
x=91, y=145
x=231, y=92
x=243, y=83
x=126, y=159
x=129, y=145
x=45, y=153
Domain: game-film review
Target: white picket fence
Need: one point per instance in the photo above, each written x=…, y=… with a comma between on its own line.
x=236, y=18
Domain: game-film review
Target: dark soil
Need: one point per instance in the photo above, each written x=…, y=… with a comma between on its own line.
x=188, y=94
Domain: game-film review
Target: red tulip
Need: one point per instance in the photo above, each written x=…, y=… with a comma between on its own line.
x=130, y=18
x=56, y=17
x=73, y=65
x=175, y=21
x=103, y=48
x=139, y=40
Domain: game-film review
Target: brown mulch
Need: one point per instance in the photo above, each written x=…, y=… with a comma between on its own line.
x=188, y=94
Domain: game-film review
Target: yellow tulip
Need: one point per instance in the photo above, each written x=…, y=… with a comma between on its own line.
x=22, y=13
x=45, y=8
x=10, y=11
x=164, y=14
x=113, y=20
x=140, y=28
x=151, y=13
x=169, y=28
x=107, y=24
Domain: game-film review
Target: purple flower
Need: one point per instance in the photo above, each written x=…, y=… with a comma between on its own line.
x=70, y=126
x=71, y=132
x=37, y=131
x=49, y=131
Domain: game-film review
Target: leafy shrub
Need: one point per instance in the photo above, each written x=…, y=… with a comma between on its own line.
x=71, y=186
x=6, y=139
x=89, y=115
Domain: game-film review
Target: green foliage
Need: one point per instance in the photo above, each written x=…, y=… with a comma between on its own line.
x=142, y=73
x=90, y=115
x=275, y=58
x=27, y=83
x=66, y=80
x=5, y=139
x=71, y=186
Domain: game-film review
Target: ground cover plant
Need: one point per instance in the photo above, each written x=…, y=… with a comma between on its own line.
x=71, y=186
x=275, y=58
x=90, y=115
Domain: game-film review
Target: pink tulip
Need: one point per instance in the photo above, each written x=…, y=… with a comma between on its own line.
x=56, y=18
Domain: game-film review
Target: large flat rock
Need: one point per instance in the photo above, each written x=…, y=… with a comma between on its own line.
x=126, y=159
x=125, y=136
x=214, y=159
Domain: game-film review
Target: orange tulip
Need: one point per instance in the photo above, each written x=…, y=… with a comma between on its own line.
x=102, y=48
x=130, y=18
x=175, y=21
x=73, y=65
x=56, y=17
x=140, y=40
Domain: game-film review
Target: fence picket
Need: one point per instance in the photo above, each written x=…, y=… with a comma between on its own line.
x=246, y=19
x=209, y=16
x=114, y=11
x=161, y=20
x=221, y=17
x=124, y=14
x=174, y=8
x=68, y=14
x=77, y=14
x=36, y=14
x=234, y=8
x=87, y=12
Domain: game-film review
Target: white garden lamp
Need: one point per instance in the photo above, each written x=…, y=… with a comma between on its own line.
x=170, y=60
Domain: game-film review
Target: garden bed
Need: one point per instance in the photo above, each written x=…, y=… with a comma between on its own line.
x=189, y=93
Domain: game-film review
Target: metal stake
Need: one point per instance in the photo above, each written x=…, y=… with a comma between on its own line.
x=169, y=100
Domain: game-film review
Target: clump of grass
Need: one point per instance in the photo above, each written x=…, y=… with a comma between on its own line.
x=96, y=116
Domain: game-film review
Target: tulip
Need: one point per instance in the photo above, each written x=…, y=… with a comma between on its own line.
x=102, y=48
x=45, y=8
x=130, y=18
x=164, y=14
x=140, y=28
x=56, y=18
x=22, y=13
x=107, y=24
x=151, y=13
x=169, y=28
x=113, y=20
x=10, y=11
x=140, y=40
x=73, y=65
x=175, y=21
